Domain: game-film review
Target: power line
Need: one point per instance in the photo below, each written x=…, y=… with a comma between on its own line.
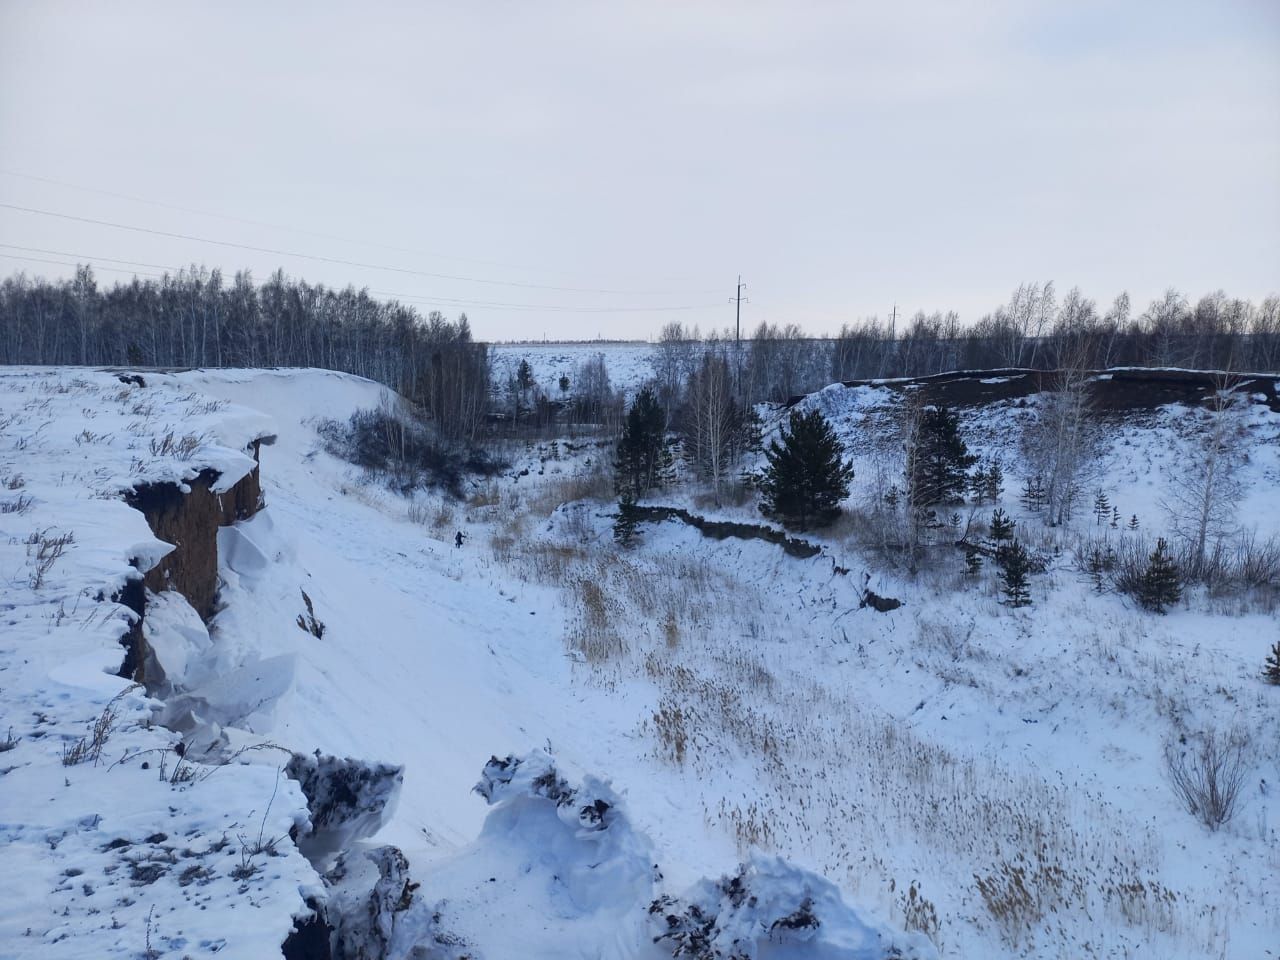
x=257, y=223
x=321, y=259
x=412, y=297
x=64, y=263
x=537, y=306
x=84, y=257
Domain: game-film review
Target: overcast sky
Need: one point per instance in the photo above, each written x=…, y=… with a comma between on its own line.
x=842, y=157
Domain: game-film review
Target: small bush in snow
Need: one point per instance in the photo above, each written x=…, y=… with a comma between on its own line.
x=403, y=450
x=308, y=621
x=1208, y=777
x=19, y=504
x=43, y=551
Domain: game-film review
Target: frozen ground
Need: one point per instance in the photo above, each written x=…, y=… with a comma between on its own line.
x=989, y=778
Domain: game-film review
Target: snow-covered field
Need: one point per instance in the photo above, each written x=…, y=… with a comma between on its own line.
x=630, y=363
x=990, y=779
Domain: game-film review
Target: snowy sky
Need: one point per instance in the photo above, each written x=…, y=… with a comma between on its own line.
x=841, y=156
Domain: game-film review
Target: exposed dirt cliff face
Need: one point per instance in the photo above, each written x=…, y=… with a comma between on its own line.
x=1120, y=389
x=724, y=529
x=189, y=520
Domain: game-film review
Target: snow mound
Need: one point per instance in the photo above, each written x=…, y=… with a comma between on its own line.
x=348, y=799
x=560, y=864
x=772, y=910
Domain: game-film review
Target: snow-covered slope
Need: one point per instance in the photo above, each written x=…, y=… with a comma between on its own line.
x=629, y=364
x=106, y=852
x=345, y=627
x=991, y=779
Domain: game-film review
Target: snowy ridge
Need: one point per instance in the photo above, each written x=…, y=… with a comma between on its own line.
x=114, y=844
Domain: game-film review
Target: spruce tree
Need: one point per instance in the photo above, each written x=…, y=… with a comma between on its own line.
x=940, y=461
x=1033, y=493
x=806, y=476
x=643, y=460
x=978, y=484
x=1001, y=525
x=1097, y=567
x=994, y=482
x=972, y=561
x=524, y=375
x=628, y=519
x=1160, y=586
x=1015, y=565
x=1101, y=507
x=1271, y=669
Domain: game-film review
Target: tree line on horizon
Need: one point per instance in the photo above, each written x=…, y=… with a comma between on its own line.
x=197, y=318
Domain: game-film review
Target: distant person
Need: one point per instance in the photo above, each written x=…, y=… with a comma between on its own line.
x=457, y=539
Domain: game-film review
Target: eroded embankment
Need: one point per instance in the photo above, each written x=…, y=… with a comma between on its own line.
x=347, y=799
x=726, y=529
x=1127, y=388
x=189, y=520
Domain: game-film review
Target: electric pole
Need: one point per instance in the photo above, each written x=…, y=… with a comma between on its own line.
x=738, y=315
x=737, y=300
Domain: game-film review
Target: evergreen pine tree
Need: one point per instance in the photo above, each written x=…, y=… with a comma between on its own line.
x=806, y=476
x=1271, y=670
x=972, y=561
x=940, y=461
x=524, y=375
x=1033, y=493
x=749, y=430
x=891, y=498
x=1097, y=567
x=1101, y=507
x=1133, y=522
x=643, y=460
x=1115, y=518
x=1001, y=525
x=995, y=482
x=978, y=485
x=1160, y=586
x=628, y=519
x=1015, y=565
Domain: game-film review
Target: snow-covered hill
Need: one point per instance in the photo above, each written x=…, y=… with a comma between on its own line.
x=404, y=649
x=990, y=779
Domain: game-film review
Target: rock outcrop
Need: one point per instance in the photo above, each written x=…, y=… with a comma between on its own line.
x=188, y=516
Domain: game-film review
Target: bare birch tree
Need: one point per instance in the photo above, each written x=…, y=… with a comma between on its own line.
x=712, y=420
x=1203, y=495
x=1059, y=445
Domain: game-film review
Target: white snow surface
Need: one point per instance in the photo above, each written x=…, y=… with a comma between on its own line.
x=431, y=657
x=990, y=778
x=630, y=363
x=101, y=857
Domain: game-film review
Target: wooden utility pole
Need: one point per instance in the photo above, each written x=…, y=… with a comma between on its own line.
x=738, y=300
x=738, y=315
